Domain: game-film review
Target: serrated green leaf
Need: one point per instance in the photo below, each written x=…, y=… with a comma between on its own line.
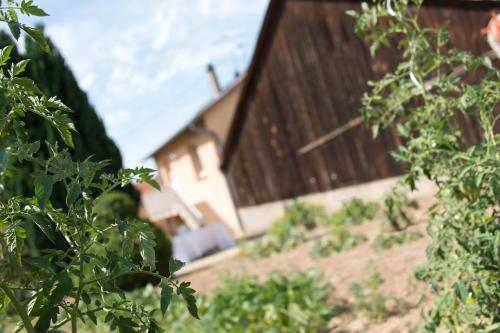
x=64, y=126
x=20, y=67
x=154, y=184
x=166, y=297
x=37, y=36
x=57, y=104
x=5, y=54
x=147, y=245
x=187, y=293
x=15, y=242
x=36, y=11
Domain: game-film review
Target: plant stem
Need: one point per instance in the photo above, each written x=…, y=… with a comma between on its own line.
x=74, y=316
x=21, y=311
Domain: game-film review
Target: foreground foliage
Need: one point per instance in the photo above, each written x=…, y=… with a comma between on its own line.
x=119, y=205
x=281, y=303
x=428, y=93
x=65, y=286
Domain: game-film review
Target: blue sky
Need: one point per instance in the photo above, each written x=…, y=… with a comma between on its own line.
x=143, y=62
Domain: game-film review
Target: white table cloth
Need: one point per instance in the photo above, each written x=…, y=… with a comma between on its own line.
x=193, y=244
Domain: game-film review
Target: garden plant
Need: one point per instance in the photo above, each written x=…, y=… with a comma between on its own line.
x=355, y=212
x=65, y=286
x=289, y=231
x=287, y=303
x=339, y=238
x=398, y=207
x=386, y=241
x=425, y=96
x=369, y=300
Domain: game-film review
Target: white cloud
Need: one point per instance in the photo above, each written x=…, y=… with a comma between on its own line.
x=140, y=58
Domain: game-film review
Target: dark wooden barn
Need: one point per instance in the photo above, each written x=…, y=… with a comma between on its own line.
x=305, y=84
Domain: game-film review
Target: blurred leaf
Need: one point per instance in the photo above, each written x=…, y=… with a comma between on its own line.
x=43, y=189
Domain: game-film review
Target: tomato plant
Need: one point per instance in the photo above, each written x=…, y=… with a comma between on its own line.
x=63, y=286
x=432, y=88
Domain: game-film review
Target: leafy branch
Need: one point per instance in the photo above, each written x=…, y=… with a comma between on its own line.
x=66, y=283
x=426, y=97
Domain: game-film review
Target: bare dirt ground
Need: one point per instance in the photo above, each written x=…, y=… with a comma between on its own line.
x=340, y=270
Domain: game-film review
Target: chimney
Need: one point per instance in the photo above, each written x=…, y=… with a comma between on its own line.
x=214, y=82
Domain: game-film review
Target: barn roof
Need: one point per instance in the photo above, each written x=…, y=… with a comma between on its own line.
x=262, y=48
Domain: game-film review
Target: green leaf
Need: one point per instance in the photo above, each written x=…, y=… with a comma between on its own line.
x=44, y=224
x=147, y=245
x=35, y=10
x=174, y=265
x=62, y=289
x=20, y=67
x=15, y=29
x=43, y=324
x=86, y=298
x=352, y=13
x=37, y=36
x=92, y=317
x=28, y=84
x=154, y=184
x=43, y=189
x=64, y=125
x=4, y=300
x=460, y=291
x=166, y=297
x=5, y=54
x=57, y=104
x=125, y=325
x=74, y=191
x=187, y=293
x=35, y=306
x=15, y=242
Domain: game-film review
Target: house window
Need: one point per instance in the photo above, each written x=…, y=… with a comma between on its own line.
x=198, y=166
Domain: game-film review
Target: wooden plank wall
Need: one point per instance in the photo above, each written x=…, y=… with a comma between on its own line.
x=311, y=82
